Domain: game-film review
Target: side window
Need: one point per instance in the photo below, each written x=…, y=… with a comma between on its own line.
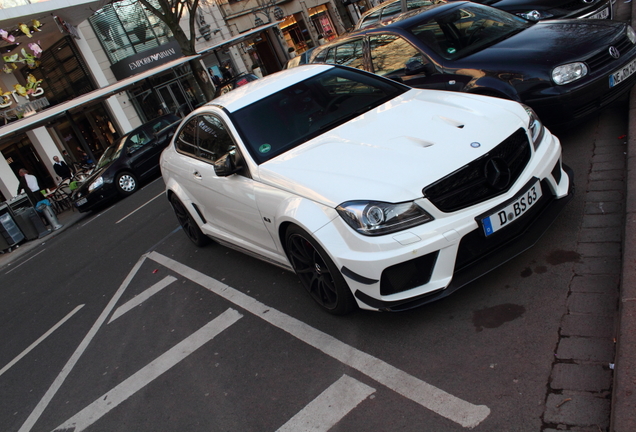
x=138, y=140
x=320, y=57
x=186, y=141
x=350, y=54
x=392, y=55
x=214, y=140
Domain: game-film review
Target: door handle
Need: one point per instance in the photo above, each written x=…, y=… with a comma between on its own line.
x=197, y=175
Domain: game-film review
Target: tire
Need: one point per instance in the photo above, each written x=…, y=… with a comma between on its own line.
x=317, y=272
x=126, y=183
x=188, y=224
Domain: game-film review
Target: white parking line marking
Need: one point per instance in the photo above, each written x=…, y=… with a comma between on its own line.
x=139, y=299
x=40, y=339
x=140, y=207
x=329, y=407
x=25, y=261
x=449, y=406
x=150, y=372
x=68, y=367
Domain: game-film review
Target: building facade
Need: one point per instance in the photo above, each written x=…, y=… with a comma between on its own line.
x=84, y=51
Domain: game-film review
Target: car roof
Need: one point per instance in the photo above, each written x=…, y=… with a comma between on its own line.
x=401, y=21
x=386, y=5
x=409, y=18
x=261, y=88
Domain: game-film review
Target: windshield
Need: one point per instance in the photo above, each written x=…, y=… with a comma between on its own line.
x=468, y=29
x=307, y=109
x=111, y=153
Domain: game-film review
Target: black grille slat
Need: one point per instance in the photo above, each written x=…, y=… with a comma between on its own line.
x=604, y=58
x=467, y=186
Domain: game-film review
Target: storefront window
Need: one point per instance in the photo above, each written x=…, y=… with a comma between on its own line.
x=95, y=128
x=20, y=153
x=126, y=28
x=174, y=91
x=296, y=33
x=63, y=73
x=322, y=22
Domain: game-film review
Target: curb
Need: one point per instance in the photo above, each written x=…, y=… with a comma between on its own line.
x=623, y=412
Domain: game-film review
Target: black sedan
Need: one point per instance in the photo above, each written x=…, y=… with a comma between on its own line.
x=564, y=69
x=533, y=10
x=131, y=159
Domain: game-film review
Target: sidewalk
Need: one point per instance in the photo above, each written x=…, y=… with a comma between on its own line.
x=623, y=414
x=66, y=218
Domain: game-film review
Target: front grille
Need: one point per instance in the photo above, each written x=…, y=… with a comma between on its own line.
x=468, y=185
x=604, y=58
x=476, y=246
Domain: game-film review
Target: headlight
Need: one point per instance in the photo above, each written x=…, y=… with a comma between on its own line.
x=535, y=127
x=96, y=184
x=535, y=15
x=631, y=34
x=565, y=74
x=376, y=218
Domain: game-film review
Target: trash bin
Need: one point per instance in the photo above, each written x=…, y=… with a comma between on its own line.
x=9, y=230
x=30, y=223
x=49, y=215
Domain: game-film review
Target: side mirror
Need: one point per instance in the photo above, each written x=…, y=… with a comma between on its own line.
x=415, y=66
x=226, y=165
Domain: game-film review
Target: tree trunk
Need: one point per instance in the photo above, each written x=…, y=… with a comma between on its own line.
x=203, y=79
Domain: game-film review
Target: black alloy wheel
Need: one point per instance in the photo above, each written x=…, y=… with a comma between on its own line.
x=318, y=273
x=188, y=224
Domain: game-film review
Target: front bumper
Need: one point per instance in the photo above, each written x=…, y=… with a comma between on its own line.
x=578, y=101
x=478, y=255
x=409, y=268
x=94, y=199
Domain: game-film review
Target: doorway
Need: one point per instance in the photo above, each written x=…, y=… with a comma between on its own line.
x=172, y=98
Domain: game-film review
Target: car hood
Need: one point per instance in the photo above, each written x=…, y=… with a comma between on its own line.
x=549, y=43
x=392, y=152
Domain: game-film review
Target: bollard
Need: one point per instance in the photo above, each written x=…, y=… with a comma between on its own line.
x=50, y=216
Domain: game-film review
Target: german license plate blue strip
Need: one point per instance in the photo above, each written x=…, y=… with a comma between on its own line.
x=510, y=213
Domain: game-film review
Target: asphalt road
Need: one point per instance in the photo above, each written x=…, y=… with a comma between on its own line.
x=121, y=324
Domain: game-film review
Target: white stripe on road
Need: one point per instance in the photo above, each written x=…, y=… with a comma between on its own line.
x=40, y=339
x=139, y=299
x=430, y=397
x=150, y=372
x=68, y=367
x=25, y=261
x=329, y=407
x=140, y=207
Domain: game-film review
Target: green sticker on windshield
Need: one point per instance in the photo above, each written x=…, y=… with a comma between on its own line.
x=264, y=148
x=451, y=50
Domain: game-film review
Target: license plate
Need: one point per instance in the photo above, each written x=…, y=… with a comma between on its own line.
x=81, y=202
x=510, y=213
x=600, y=14
x=622, y=74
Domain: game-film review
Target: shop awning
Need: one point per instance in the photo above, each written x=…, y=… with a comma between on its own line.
x=45, y=116
x=239, y=38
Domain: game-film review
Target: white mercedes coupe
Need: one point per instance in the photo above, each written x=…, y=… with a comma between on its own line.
x=377, y=195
